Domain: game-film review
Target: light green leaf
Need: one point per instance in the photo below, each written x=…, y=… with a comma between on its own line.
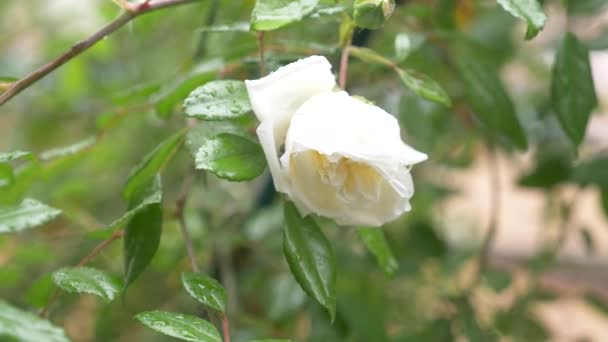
x=183, y=327
x=370, y=56
x=6, y=157
x=205, y=289
x=406, y=43
x=271, y=14
x=376, y=243
x=424, y=86
x=372, y=14
x=6, y=175
x=87, y=280
x=68, y=150
x=142, y=234
x=26, y=215
x=218, y=100
x=572, y=90
x=489, y=100
x=231, y=157
x=310, y=258
x=26, y=327
x=528, y=10
x=146, y=170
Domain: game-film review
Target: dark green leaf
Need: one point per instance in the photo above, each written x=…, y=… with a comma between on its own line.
x=183, y=327
x=142, y=234
x=572, y=90
x=371, y=14
x=205, y=289
x=145, y=171
x=310, y=258
x=231, y=157
x=549, y=171
x=218, y=100
x=424, y=86
x=87, y=280
x=198, y=135
x=529, y=11
x=271, y=14
x=28, y=214
x=376, y=243
x=489, y=100
x=26, y=327
x=175, y=92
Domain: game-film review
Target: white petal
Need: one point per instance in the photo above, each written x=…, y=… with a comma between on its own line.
x=270, y=146
x=278, y=95
x=336, y=123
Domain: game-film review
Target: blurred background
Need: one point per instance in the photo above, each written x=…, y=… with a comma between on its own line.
x=94, y=118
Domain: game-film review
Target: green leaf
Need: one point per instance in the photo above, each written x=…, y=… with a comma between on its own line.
x=142, y=234
x=406, y=43
x=271, y=14
x=175, y=92
x=6, y=157
x=218, y=100
x=376, y=243
x=489, y=100
x=87, y=280
x=424, y=86
x=371, y=14
x=231, y=157
x=69, y=150
x=528, y=10
x=236, y=27
x=205, y=289
x=592, y=172
x=26, y=215
x=370, y=56
x=183, y=327
x=310, y=258
x=146, y=170
x=572, y=90
x=26, y=327
x=6, y=175
x=497, y=280
x=550, y=171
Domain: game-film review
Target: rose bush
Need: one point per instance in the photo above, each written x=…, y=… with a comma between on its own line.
x=330, y=153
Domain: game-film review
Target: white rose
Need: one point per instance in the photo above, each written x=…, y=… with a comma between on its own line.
x=343, y=159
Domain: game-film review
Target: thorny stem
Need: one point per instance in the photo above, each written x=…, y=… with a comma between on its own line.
x=129, y=14
x=115, y=236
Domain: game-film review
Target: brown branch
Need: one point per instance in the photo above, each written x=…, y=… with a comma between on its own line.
x=105, y=243
x=81, y=46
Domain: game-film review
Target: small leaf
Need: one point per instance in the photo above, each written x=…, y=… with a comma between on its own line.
x=142, y=234
x=87, y=280
x=406, y=43
x=371, y=14
x=271, y=14
x=424, y=86
x=572, y=90
x=370, y=56
x=22, y=326
x=218, y=100
x=489, y=100
x=183, y=327
x=26, y=215
x=68, y=150
x=205, y=289
x=231, y=157
x=146, y=170
x=529, y=11
x=310, y=258
x=376, y=243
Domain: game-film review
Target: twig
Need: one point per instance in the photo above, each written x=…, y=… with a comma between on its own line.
x=179, y=212
x=344, y=66
x=495, y=190
x=261, y=35
x=76, y=49
x=115, y=236
x=225, y=328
